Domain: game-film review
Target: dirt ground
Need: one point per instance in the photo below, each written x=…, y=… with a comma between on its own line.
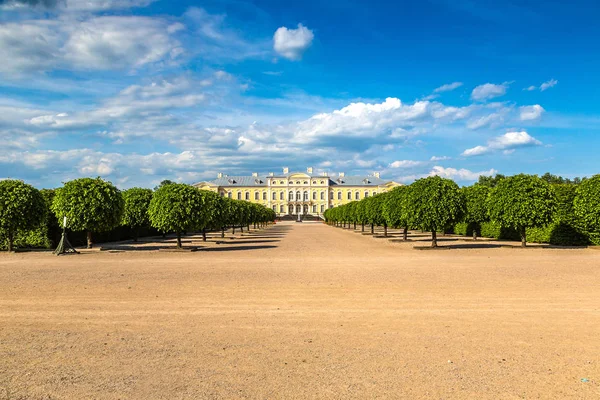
x=301, y=311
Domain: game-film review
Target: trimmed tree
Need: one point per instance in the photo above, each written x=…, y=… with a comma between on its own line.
x=135, y=213
x=521, y=202
x=395, y=211
x=91, y=205
x=22, y=207
x=213, y=216
x=433, y=203
x=476, y=206
x=586, y=205
x=178, y=208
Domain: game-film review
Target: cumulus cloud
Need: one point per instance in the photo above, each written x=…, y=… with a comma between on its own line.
x=507, y=142
x=292, y=43
x=531, y=113
x=460, y=174
x=488, y=91
x=448, y=87
x=440, y=158
x=406, y=164
x=97, y=43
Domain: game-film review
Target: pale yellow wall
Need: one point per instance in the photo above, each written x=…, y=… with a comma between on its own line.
x=325, y=196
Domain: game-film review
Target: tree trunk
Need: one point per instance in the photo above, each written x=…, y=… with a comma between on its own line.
x=433, y=238
x=372, y=229
x=523, y=237
x=204, y=234
x=242, y=228
x=354, y=225
x=222, y=232
x=385, y=230
x=178, y=239
x=405, y=233
x=89, y=239
x=10, y=240
x=362, y=228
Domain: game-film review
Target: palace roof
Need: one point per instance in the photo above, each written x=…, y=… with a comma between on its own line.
x=261, y=181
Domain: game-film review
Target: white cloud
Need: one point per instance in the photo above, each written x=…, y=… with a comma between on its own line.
x=292, y=43
x=460, y=174
x=531, y=113
x=548, y=84
x=75, y=5
x=507, y=142
x=488, y=91
x=492, y=120
x=440, y=158
x=97, y=43
x=448, y=87
x=406, y=164
x=544, y=86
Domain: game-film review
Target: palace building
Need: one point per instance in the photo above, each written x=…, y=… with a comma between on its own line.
x=298, y=192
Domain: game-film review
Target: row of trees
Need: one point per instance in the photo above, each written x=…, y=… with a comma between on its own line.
x=435, y=204
x=95, y=205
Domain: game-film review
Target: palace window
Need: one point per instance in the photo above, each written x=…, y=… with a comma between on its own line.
x=339, y=196
x=264, y=195
x=305, y=182
x=322, y=207
x=281, y=209
x=255, y=196
x=322, y=195
x=374, y=193
x=281, y=182
x=274, y=196
x=322, y=182
x=298, y=197
x=229, y=194
x=247, y=196
x=357, y=196
x=314, y=195
x=305, y=196
x=331, y=195
x=366, y=193
x=349, y=195
x=239, y=196
x=281, y=196
x=314, y=208
x=291, y=196
x=275, y=208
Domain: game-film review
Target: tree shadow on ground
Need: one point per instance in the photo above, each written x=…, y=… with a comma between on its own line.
x=236, y=248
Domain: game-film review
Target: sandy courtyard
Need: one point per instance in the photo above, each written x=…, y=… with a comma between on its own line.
x=301, y=311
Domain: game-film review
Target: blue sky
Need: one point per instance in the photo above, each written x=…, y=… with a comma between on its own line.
x=138, y=91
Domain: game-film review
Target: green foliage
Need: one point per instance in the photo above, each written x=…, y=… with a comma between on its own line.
x=22, y=207
x=374, y=209
x=476, y=203
x=92, y=205
x=491, y=229
x=178, y=208
x=394, y=207
x=559, y=180
x=434, y=203
x=586, y=205
x=522, y=201
x=558, y=233
x=136, y=204
x=490, y=181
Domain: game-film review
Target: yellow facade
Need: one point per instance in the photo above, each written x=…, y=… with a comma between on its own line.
x=299, y=192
